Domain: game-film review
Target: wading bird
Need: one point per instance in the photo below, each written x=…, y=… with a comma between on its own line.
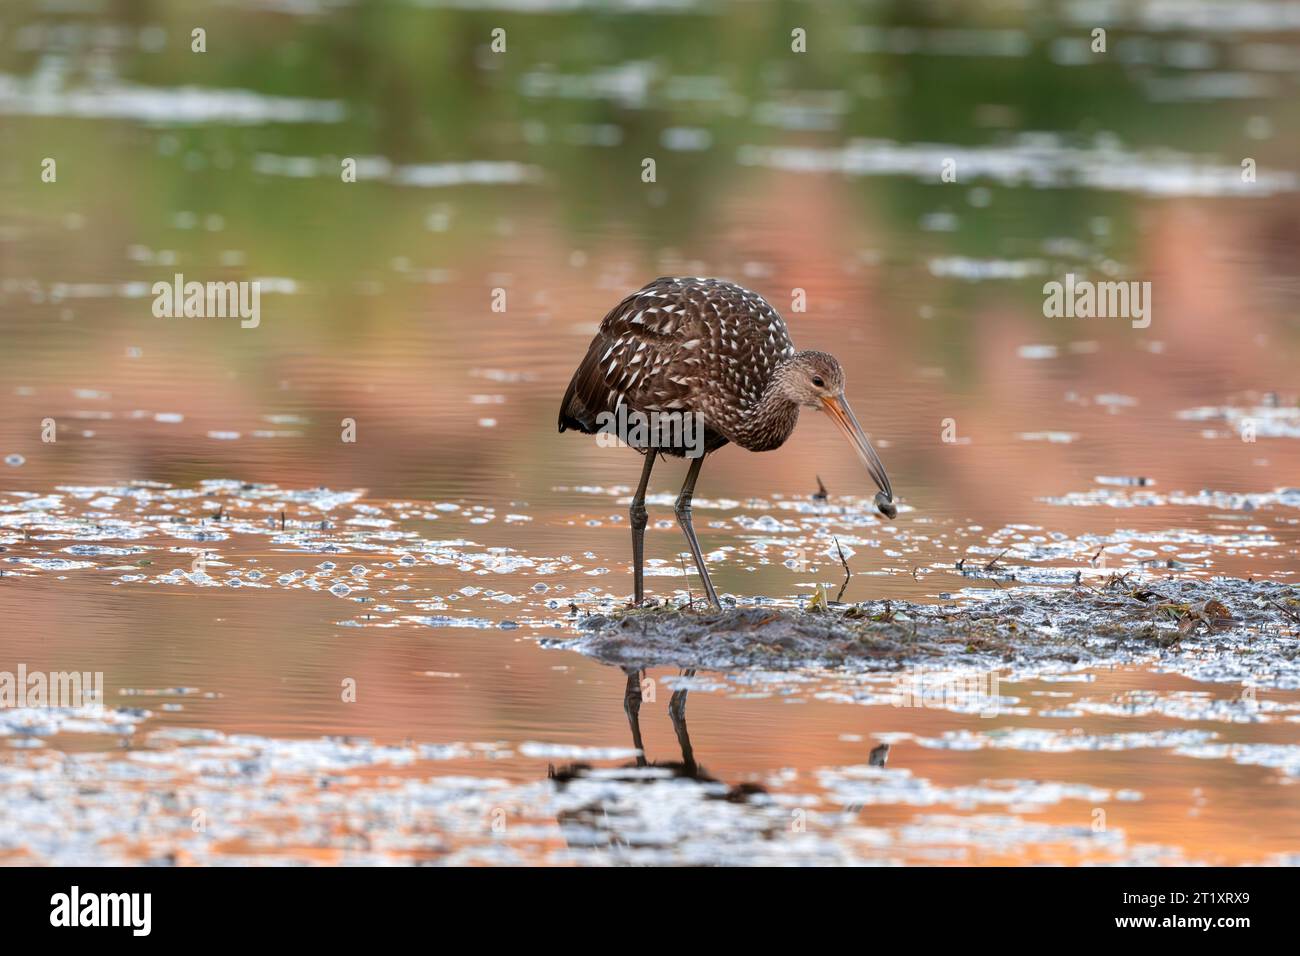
x=720, y=354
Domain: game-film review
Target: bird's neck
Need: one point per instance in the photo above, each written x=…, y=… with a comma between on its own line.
x=769, y=423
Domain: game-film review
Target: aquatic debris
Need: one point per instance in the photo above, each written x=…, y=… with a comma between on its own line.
x=48, y=721
x=1261, y=421
x=1056, y=438
x=1243, y=708
x=1219, y=500
x=445, y=621
x=1242, y=630
x=871, y=785
x=381, y=169
x=545, y=751
x=978, y=270
x=32, y=96
x=1035, y=160
x=1124, y=480
x=1213, y=615
x=1040, y=740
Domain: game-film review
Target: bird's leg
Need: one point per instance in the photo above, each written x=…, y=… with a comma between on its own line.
x=632, y=707
x=677, y=711
x=638, y=519
x=683, y=510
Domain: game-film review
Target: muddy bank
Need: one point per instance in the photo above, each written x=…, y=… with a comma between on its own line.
x=1223, y=629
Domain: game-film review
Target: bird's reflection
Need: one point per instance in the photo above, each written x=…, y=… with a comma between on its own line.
x=687, y=768
x=602, y=822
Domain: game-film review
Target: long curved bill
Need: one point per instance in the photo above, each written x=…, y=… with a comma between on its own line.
x=838, y=409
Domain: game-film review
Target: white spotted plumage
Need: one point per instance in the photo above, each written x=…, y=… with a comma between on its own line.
x=684, y=344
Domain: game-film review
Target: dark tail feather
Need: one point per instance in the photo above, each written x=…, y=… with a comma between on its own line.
x=567, y=420
x=574, y=414
x=574, y=411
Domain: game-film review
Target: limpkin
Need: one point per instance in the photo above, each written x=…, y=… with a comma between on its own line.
x=713, y=350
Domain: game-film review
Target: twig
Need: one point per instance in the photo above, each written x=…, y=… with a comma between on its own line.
x=1287, y=611
x=989, y=566
x=690, y=600
x=847, y=573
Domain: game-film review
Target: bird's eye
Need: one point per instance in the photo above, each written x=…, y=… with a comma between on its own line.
x=817, y=380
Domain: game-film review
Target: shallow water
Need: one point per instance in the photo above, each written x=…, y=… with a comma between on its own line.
x=200, y=533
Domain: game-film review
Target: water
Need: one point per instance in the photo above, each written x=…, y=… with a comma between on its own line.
x=201, y=533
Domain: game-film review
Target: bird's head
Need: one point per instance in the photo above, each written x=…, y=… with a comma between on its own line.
x=816, y=380
x=806, y=378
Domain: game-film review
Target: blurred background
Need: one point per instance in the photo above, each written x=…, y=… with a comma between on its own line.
x=522, y=170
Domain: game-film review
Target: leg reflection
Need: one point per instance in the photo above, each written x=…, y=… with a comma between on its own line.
x=632, y=707
x=677, y=711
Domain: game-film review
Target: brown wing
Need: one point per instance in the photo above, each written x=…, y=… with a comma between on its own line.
x=691, y=345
